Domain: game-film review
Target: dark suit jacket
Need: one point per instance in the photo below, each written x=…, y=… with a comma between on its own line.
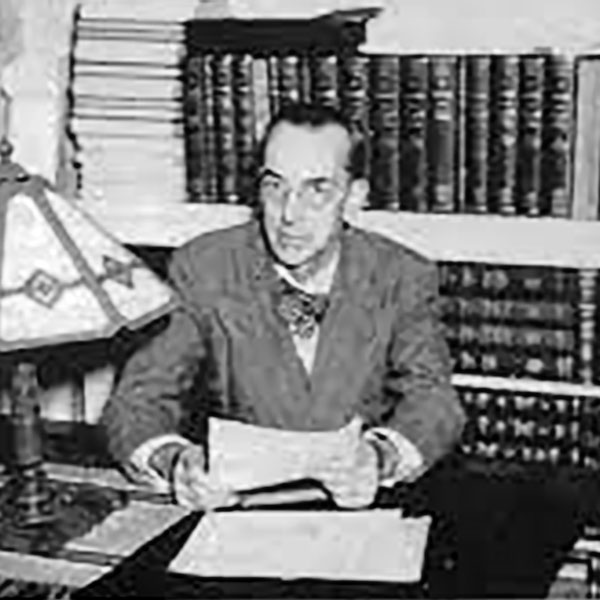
x=226, y=351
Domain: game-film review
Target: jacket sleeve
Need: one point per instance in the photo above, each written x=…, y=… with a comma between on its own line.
x=417, y=389
x=147, y=401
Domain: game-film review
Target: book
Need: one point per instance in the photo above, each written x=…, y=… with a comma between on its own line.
x=273, y=83
x=244, y=126
x=289, y=84
x=413, y=155
x=529, y=149
x=209, y=176
x=200, y=128
x=587, y=310
x=558, y=117
x=193, y=109
x=324, y=79
x=502, y=157
x=305, y=77
x=353, y=89
x=225, y=128
x=262, y=89
x=384, y=87
x=354, y=97
x=441, y=132
x=460, y=142
x=95, y=49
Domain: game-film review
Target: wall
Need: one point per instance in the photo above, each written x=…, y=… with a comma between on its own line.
x=35, y=81
x=485, y=26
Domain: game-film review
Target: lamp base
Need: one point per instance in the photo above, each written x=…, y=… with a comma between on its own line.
x=58, y=511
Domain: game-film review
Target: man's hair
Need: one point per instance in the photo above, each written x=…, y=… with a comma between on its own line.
x=318, y=115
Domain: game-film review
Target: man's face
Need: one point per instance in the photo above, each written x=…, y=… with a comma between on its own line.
x=303, y=189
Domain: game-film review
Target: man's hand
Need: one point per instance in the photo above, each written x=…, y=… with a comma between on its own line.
x=350, y=471
x=194, y=488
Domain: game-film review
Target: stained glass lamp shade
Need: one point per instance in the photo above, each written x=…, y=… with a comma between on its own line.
x=62, y=279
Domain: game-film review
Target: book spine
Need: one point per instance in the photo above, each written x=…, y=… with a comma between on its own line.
x=385, y=127
x=586, y=306
x=413, y=155
x=289, y=79
x=305, y=78
x=460, y=146
x=225, y=128
x=590, y=434
x=192, y=108
x=324, y=79
x=273, y=85
x=261, y=91
x=511, y=321
x=529, y=149
x=441, y=133
x=526, y=428
x=513, y=311
x=354, y=96
x=244, y=125
x=557, y=135
x=503, y=133
x=208, y=161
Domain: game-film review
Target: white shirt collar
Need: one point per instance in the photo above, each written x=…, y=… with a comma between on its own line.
x=319, y=282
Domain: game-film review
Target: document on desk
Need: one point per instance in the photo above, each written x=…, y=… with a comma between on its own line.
x=245, y=457
x=369, y=545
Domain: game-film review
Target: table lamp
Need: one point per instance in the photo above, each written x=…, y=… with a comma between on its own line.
x=62, y=280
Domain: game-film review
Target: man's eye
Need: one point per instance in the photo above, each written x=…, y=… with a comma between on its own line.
x=271, y=184
x=321, y=187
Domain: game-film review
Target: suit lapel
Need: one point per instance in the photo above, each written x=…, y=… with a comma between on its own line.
x=282, y=351
x=347, y=332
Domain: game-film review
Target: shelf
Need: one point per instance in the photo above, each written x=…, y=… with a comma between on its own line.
x=548, y=242
x=526, y=386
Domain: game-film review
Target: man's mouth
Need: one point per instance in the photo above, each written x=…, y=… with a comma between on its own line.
x=292, y=239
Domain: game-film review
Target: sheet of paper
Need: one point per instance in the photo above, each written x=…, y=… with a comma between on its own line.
x=374, y=545
x=245, y=457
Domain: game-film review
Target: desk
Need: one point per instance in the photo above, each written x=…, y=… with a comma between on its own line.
x=126, y=554
x=85, y=559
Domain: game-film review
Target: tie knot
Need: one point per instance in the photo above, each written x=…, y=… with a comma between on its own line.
x=301, y=310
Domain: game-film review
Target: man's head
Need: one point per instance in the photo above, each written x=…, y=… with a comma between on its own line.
x=311, y=170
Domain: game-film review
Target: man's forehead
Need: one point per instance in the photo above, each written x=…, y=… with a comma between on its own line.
x=307, y=150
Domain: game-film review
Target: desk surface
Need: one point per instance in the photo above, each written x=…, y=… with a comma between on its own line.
x=120, y=544
x=96, y=553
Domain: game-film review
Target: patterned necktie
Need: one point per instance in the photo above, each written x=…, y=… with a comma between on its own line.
x=302, y=311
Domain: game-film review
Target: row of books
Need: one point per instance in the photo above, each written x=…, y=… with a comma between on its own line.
x=480, y=134
x=519, y=321
x=126, y=109
x=531, y=428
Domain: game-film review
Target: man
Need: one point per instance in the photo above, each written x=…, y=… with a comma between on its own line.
x=296, y=321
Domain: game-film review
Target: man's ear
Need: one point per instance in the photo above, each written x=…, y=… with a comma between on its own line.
x=357, y=199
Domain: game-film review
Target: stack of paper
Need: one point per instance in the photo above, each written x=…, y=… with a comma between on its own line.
x=127, y=115
x=373, y=545
x=245, y=457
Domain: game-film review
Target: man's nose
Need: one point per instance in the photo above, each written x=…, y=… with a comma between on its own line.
x=292, y=205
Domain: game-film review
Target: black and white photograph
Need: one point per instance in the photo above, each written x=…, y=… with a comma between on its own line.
x=299, y=299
